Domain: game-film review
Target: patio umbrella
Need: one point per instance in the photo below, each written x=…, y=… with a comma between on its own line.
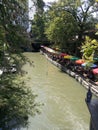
x=73, y=58
x=95, y=71
x=96, y=58
x=83, y=64
x=63, y=54
x=80, y=61
x=67, y=57
x=89, y=65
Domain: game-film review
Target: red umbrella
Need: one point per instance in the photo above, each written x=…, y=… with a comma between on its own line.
x=80, y=61
x=63, y=54
x=95, y=71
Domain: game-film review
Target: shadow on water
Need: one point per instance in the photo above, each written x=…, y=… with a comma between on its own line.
x=15, y=124
x=64, y=107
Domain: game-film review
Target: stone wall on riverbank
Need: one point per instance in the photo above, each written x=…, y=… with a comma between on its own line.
x=82, y=80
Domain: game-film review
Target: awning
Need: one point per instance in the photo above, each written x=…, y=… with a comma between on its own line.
x=73, y=58
x=95, y=71
x=67, y=57
x=80, y=61
x=63, y=54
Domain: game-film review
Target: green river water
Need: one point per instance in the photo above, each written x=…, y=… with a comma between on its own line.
x=63, y=97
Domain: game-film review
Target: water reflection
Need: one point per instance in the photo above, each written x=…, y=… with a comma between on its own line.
x=63, y=97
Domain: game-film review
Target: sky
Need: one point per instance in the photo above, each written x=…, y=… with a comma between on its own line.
x=49, y=1
x=31, y=14
x=32, y=10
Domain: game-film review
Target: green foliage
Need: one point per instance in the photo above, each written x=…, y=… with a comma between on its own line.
x=16, y=38
x=38, y=27
x=61, y=29
x=88, y=48
x=17, y=101
x=10, y=11
x=39, y=5
x=81, y=12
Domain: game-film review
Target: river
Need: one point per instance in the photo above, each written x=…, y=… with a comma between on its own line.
x=63, y=97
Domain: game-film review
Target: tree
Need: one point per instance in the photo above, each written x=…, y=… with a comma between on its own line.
x=17, y=101
x=83, y=12
x=61, y=27
x=39, y=5
x=88, y=48
x=38, y=25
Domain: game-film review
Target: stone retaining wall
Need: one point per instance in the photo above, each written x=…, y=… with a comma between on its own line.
x=83, y=81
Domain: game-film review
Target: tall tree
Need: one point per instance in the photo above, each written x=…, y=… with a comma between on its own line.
x=39, y=5
x=37, y=29
x=61, y=29
x=61, y=26
x=82, y=11
x=16, y=99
